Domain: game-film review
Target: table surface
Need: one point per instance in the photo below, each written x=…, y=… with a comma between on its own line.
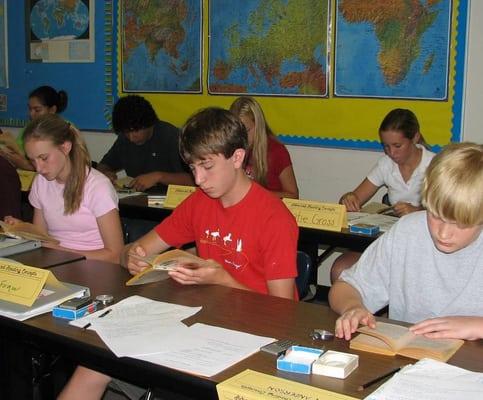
x=44, y=257
x=226, y=307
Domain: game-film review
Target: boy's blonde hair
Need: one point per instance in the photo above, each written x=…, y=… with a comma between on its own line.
x=453, y=186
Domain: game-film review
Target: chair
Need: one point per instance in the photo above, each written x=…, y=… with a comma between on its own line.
x=304, y=269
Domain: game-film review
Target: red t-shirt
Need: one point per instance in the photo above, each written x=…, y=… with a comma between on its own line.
x=255, y=240
x=278, y=159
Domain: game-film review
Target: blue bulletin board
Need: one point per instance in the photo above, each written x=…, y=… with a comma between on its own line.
x=89, y=85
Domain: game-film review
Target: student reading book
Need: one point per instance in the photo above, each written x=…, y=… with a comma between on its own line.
x=160, y=264
x=400, y=170
x=391, y=339
x=246, y=230
x=428, y=267
x=73, y=203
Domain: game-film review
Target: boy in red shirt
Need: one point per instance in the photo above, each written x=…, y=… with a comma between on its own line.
x=247, y=233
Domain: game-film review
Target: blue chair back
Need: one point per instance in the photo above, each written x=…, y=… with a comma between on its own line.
x=304, y=268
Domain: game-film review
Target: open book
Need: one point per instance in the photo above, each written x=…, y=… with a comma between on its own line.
x=377, y=208
x=160, y=264
x=391, y=339
x=25, y=230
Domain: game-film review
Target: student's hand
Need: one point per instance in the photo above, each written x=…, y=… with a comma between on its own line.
x=190, y=272
x=134, y=264
x=12, y=156
x=348, y=322
x=12, y=220
x=468, y=328
x=401, y=208
x=350, y=201
x=145, y=181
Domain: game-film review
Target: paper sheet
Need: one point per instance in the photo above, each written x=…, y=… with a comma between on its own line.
x=209, y=350
x=137, y=325
x=431, y=380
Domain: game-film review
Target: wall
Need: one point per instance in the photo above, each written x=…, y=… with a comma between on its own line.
x=324, y=174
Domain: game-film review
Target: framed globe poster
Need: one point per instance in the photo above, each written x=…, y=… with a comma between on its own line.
x=60, y=31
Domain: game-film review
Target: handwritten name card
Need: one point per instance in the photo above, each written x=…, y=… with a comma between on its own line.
x=22, y=284
x=316, y=215
x=176, y=194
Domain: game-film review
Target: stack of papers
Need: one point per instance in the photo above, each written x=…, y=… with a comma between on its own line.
x=152, y=331
x=431, y=380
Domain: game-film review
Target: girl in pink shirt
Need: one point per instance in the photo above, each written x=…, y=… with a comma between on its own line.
x=73, y=203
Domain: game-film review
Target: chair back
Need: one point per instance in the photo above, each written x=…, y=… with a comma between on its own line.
x=304, y=268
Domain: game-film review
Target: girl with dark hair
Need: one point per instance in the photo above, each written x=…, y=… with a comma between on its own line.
x=73, y=203
x=43, y=100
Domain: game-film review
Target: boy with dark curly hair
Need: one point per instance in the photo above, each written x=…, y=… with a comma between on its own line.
x=146, y=147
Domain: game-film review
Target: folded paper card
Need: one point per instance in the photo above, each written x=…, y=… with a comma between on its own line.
x=317, y=215
x=391, y=339
x=25, y=230
x=176, y=194
x=160, y=264
x=253, y=385
x=28, y=291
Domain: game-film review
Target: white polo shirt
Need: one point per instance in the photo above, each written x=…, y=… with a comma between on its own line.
x=386, y=172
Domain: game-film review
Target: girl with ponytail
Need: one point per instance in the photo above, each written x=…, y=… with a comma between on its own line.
x=73, y=202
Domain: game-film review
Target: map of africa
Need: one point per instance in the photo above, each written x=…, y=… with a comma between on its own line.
x=59, y=18
x=273, y=47
x=392, y=48
x=161, y=45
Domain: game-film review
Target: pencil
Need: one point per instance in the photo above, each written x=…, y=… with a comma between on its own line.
x=378, y=379
x=100, y=316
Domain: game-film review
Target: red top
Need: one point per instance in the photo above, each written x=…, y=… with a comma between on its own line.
x=278, y=160
x=255, y=240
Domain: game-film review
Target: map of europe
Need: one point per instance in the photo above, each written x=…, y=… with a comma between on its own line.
x=161, y=45
x=393, y=48
x=271, y=47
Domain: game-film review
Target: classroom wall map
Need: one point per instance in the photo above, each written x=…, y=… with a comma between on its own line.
x=392, y=48
x=161, y=46
x=270, y=47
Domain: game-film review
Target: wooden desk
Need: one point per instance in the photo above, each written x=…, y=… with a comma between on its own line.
x=137, y=207
x=46, y=258
x=229, y=308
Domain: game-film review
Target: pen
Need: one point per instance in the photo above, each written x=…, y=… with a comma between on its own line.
x=378, y=379
x=100, y=316
x=386, y=210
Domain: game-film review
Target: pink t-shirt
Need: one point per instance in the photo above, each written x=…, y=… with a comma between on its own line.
x=78, y=231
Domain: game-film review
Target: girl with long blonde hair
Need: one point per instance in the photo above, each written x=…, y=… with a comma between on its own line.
x=73, y=202
x=268, y=160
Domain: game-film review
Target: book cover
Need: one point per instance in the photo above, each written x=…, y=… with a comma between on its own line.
x=25, y=230
x=391, y=339
x=160, y=264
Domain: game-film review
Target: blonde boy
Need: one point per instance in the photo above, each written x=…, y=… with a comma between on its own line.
x=429, y=267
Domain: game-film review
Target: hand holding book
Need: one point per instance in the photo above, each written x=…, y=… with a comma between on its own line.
x=160, y=266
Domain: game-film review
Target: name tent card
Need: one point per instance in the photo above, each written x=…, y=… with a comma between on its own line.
x=176, y=194
x=21, y=284
x=317, y=215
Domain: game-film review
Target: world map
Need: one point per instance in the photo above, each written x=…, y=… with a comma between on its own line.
x=394, y=48
x=272, y=47
x=59, y=18
x=161, y=45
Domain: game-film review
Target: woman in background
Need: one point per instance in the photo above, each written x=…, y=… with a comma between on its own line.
x=268, y=160
x=401, y=170
x=73, y=203
x=43, y=100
